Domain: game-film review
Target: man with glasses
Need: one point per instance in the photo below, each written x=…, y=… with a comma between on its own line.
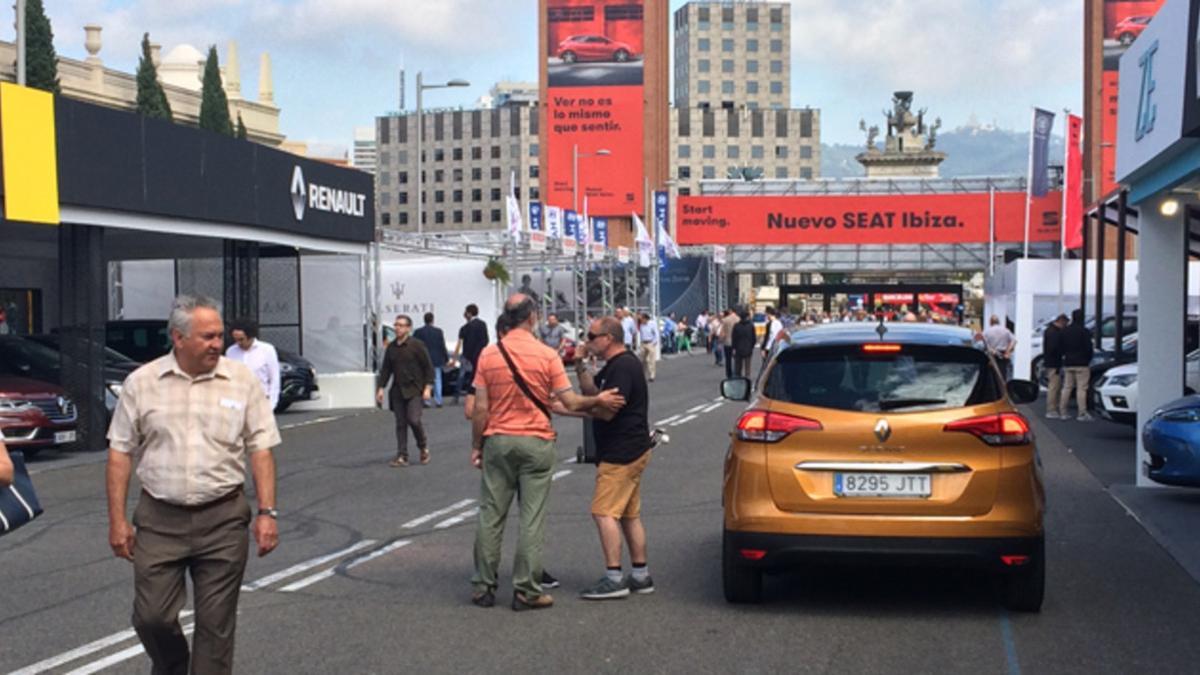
x=407, y=365
x=623, y=449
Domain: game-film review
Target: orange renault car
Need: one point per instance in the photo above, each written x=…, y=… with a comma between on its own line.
x=883, y=441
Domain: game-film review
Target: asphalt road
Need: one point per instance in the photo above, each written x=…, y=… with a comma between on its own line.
x=594, y=73
x=399, y=600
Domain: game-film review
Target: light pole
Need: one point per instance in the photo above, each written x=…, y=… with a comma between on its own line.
x=421, y=87
x=575, y=155
x=21, y=42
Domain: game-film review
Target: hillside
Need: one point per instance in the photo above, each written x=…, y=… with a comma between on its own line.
x=972, y=151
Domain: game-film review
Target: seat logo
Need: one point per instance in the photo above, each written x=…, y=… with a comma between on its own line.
x=883, y=430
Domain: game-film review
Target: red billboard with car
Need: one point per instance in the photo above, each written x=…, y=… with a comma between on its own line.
x=962, y=218
x=595, y=105
x=1124, y=21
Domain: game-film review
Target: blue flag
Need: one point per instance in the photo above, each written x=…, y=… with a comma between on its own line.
x=600, y=231
x=1039, y=148
x=535, y=216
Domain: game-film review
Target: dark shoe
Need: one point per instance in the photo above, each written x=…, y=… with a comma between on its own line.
x=484, y=599
x=521, y=603
x=605, y=589
x=399, y=462
x=549, y=581
x=424, y=455
x=644, y=587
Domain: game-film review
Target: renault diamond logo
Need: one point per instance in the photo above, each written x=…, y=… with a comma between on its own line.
x=298, y=193
x=883, y=430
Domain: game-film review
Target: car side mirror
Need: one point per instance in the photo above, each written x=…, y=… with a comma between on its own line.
x=736, y=389
x=1022, y=391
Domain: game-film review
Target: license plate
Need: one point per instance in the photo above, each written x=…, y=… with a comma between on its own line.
x=64, y=437
x=882, y=484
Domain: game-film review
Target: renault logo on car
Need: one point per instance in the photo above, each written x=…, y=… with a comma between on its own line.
x=883, y=430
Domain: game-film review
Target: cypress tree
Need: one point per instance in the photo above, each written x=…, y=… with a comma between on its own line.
x=151, y=99
x=241, y=127
x=214, y=107
x=41, y=63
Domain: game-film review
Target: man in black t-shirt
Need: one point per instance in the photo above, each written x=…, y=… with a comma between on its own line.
x=472, y=338
x=623, y=447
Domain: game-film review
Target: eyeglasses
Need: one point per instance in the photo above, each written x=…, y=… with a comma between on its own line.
x=593, y=336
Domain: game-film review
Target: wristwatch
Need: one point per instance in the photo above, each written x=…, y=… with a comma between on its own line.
x=270, y=513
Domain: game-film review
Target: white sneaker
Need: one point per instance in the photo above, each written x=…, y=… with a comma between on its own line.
x=1053, y=416
x=1084, y=417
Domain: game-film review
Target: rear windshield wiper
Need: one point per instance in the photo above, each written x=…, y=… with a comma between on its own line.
x=897, y=403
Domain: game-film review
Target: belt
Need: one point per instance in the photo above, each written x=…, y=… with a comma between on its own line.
x=232, y=494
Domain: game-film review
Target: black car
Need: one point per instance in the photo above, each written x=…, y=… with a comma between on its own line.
x=38, y=357
x=148, y=339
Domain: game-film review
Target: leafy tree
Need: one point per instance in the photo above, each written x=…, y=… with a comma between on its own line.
x=241, y=127
x=214, y=107
x=151, y=99
x=41, y=62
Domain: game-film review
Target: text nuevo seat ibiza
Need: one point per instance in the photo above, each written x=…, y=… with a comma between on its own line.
x=896, y=441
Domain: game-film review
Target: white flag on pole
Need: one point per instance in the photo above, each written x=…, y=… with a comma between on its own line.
x=641, y=233
x=665, y=240
x=515, y=223
x=554, y=222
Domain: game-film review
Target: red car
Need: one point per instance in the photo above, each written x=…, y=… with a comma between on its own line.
x=1127, y=29
x=567, y=351
x=593, y=48
x=35, y=415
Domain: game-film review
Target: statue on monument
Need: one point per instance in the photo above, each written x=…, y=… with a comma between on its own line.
x=937, y=124
x=871, y=132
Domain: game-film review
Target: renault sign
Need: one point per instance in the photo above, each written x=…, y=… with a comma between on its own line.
x=324, y=198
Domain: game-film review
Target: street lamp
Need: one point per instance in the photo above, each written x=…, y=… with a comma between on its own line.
x=421, y=87
x=21, y=42
x=575, y=155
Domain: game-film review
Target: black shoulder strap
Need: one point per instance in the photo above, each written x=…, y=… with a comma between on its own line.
x=512, y=368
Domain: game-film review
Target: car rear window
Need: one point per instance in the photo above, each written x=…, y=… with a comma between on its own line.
x=916, y=378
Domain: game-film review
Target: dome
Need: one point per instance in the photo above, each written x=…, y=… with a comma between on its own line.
x=183, y=54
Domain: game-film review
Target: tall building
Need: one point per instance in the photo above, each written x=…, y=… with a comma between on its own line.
x=743, y=144
x=472, y=160
x=365, y=153
x=733, y=55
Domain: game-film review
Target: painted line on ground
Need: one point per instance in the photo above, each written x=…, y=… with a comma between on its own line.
x=667, y=420
x=416, y=522
x=450, y=522
x=711, y=407
x=375, y=554
x=123, y=655
x=327, y=573
x=560, y=474
x=696, y=408
x=683, y=420
x=305, y=566
x=1010, y=645
x=319, y=420
x=85, y=650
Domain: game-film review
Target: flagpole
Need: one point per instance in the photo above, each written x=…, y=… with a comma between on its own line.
x=991, y=228
x=1029, y=178
x=1062, y=221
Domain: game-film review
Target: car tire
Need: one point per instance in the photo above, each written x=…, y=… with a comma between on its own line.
x=568, y=57
x=1035, y=369
x=620, y=56
x=1025, y=587
x=1125, y=39
x=742, y=584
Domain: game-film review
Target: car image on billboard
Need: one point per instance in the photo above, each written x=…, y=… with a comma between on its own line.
x=594, y=43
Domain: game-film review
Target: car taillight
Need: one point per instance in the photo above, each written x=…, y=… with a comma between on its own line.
x=1000, y=429
x=769, y=427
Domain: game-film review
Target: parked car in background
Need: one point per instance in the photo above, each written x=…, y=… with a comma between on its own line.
x=1115, y=393
x=593, y=48
x=35, y=415
x=38, y=357
x=147, y=339
x=1172, y=439
x=903, y=445
x=1108, y=338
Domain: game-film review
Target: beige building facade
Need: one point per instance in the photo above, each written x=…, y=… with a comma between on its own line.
x=718, y=144
x=180, y=73
x=472, y=159
x=733, y=55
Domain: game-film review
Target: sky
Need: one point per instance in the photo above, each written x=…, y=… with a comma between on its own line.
x=336, y=63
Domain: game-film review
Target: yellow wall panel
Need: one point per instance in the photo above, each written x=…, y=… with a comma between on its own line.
x=30, y=155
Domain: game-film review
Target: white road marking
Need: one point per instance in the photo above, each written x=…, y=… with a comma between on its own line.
x=720, y=398
x=683, y=419
x=560, y=474
x=123, y=655
x=696, y=408
x=711, y=407
x=572, y=460
x=438, y=514
x=375, y=554
x=319, y=420
x=667, y=420
x=306, y=565
x=449, y=522
x=327, y=573
x=85, y=650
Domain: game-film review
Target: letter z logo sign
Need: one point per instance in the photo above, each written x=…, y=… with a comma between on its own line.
x=299, y=193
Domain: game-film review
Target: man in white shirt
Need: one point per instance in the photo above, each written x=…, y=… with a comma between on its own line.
x=629, y=324
x=649, y=337
x=260, y=357
x=774, y=332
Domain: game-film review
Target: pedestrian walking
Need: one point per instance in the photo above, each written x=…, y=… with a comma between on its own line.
x=629, y=323
x=260, y=357
x=684, y=339
x=1052, y=361
x=190, y=420
x=623, y=450
x=551, y=333
x=407, y=366
x=743, y=345
x=512, y=441
x=1077, y=352
x=669, y=343
x=649, y=339
x=435, y=343
x=728, y=322
x=1000, y=344
x=472, y=338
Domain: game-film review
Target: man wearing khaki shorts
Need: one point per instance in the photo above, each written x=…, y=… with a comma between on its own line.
x=623, y=447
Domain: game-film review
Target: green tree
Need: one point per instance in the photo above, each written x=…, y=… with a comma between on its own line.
x=151, y=99
x=241, y=127
x=41, y=62
x=214, y=107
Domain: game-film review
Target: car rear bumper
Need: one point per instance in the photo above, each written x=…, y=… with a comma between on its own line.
x=774, y=551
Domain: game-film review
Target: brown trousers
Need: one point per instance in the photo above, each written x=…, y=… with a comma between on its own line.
x=210, y=542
